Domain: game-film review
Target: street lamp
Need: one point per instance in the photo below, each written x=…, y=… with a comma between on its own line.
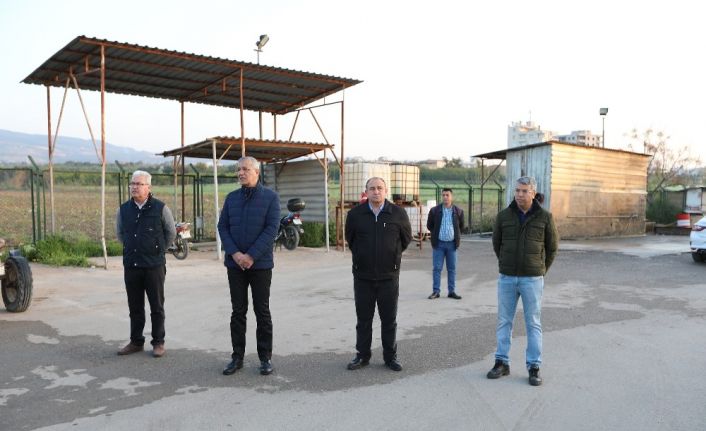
x=261, y=43
x=603, y=113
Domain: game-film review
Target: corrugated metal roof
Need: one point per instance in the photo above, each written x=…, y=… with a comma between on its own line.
x=502, y=154
x=263, y=150
x=154, y=72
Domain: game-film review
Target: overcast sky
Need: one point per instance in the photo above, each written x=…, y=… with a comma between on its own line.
x=441, y=78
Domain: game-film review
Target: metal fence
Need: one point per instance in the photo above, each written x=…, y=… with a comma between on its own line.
x=480, y=204
x=25, y=209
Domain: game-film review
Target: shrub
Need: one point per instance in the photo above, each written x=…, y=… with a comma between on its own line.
x=661, y=211
x=314, y=234
x=60, y=251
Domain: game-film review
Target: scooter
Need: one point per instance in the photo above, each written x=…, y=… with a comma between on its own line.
x=180, y=249
x=290, y=226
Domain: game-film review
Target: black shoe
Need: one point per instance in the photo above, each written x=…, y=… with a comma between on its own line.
x=358, y=362
x=534, y=378
x=233, y=366
x=499, y=369
x=266, y=367
x=434, y=295
x=454, y=295
x=394, y=365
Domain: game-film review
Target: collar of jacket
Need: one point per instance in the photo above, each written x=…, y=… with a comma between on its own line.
x=533, y=209
x=148, y=201
x=385, y=207
x=248, y=192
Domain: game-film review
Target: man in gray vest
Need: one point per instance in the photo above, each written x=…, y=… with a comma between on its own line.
x=145, y=227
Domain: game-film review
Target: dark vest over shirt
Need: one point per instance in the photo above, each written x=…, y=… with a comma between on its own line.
x=143, y=234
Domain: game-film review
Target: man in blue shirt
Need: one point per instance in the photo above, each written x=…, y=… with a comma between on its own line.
x=445, y=222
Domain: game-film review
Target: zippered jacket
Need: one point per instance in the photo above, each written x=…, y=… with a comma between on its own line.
x=377, y=243
x=525, y=249
x=436, y=215
x=248, y=223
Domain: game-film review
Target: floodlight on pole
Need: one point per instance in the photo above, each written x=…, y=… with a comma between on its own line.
x=260, y=44
x=603, y=112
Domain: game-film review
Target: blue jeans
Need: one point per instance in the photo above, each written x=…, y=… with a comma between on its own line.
x=510, y=289
x=444, y=250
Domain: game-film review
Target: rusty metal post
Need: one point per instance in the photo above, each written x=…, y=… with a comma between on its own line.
x=341, y=181
x=215, y=199
x=259, y=116
x=274, y=116
x=183, y=214
x=105, y=251
x=326, y=209
x=242, y=121
x=51, y=167
x=52, y=145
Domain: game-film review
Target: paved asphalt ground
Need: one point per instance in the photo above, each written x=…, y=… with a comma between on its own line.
x=624, y=330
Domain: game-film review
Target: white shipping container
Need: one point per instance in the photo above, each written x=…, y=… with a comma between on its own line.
x=356, y=174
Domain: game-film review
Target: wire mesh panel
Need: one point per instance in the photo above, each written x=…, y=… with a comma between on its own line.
x=404, y=183
x=357, y=174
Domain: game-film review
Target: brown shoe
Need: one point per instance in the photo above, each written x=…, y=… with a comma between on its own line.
x=158, y=351
x=130, y=349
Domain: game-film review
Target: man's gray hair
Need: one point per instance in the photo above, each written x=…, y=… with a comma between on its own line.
x=145, y=174
x=248, y=160
x=528, y=181
x=374, y=178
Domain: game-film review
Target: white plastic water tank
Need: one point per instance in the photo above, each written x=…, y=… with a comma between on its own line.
x=404, y=183
x=357, y=174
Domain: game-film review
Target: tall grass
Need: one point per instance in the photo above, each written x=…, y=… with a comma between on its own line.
x=61, y=251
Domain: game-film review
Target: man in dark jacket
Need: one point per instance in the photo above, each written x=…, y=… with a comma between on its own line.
x=525, y=241
x=145, y=227
x=445, y=222
x=377, y=233
x=247, y=226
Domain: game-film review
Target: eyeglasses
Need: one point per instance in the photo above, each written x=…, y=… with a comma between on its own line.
x=138, y=184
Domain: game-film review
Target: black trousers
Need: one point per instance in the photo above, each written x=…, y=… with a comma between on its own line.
x=259, y=281
x=138, y=282
x=385, y=293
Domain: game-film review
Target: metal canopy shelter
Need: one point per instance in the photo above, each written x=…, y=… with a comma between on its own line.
x=165, y=74
x=267, y=151
x=229, y=148
x=122, y=68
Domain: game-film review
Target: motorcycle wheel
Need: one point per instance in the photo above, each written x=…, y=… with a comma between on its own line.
x=291, y=238
x=182, y=248
x=17, y=284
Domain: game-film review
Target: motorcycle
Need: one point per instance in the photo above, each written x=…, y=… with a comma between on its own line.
x=290, y=226
x=180, y=249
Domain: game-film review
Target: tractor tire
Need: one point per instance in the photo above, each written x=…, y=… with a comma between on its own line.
x=182, y=249
x=17, y=284
x=291, y=238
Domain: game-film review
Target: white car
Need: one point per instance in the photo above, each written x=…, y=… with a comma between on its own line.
x=698, y=241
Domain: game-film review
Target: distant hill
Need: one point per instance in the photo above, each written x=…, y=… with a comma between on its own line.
x=16, y=146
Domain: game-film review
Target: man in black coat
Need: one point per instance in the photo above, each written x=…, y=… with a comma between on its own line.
x=377, y=233
x=145, y=227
